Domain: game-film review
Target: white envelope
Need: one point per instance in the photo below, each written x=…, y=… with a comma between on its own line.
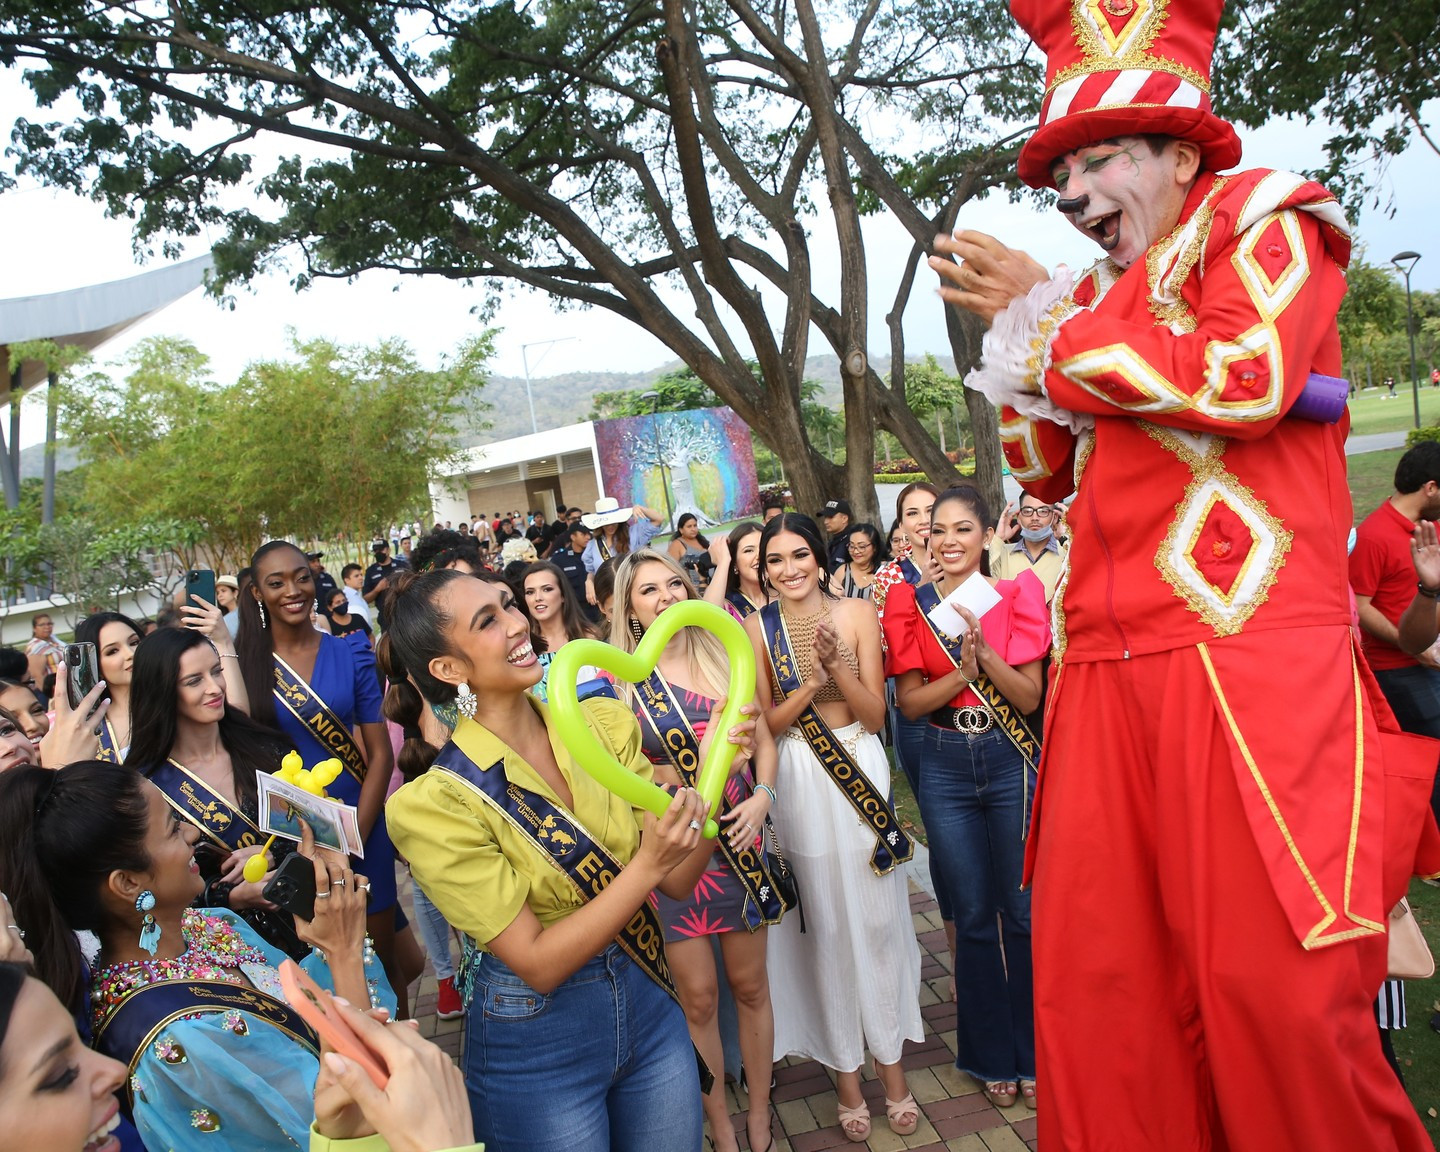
x=975, y=594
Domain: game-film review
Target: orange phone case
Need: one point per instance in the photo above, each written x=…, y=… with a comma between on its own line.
x=313, y=1004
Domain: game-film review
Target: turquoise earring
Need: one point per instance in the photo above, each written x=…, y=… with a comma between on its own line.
x=149, y=930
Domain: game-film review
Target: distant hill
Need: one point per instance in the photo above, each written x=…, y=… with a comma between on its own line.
x=568, y=398
x=32, y=460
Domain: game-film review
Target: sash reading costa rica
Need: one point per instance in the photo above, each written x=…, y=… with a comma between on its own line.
x=664, y=714
x=892, y=846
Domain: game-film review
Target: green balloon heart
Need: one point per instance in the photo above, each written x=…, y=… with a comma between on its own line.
x=634, y=667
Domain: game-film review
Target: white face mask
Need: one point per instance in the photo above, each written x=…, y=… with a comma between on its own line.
x=1037, y=535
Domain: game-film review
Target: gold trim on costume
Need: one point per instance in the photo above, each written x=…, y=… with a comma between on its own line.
x=1315, y=937
x=1226, y=610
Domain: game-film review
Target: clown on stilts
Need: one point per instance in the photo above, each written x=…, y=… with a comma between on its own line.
x=1226, y=809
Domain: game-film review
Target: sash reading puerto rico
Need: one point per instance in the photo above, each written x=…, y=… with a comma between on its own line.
x=301, y=702
x=136, y=1021
x=558, y=836
x=664, y=714
x=892, y=846
x=225, y=825
x=1011, y=722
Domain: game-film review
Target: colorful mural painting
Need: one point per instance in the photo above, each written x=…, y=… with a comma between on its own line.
x=705, y=455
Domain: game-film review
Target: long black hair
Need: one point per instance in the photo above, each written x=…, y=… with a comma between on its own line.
x=807, y=530
x=576, y=626
x=61, y=836
x=256, y=643
x=418, y=627
x=685, y=518
x=403, y=706
x=155, y=687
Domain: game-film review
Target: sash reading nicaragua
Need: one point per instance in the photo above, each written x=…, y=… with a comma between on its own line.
x=136, y=1021
x=664, y=714
x=301, y=702
x=892, y=846
x=561, y=840
x=223, y=823
x=1011, y=722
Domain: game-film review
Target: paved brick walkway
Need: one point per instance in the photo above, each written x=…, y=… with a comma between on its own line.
x=955, y=1115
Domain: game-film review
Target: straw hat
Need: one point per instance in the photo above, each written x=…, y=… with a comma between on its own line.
x=607, y=511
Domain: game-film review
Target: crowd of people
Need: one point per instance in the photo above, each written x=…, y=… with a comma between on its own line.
x=1167, y=926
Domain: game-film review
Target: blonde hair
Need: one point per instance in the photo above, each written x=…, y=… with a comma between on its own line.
x=709, y=661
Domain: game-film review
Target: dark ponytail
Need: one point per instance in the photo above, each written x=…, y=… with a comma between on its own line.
x=61, y=836
x=403, y=706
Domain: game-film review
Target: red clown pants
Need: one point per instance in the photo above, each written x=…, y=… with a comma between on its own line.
x=1175, y=1008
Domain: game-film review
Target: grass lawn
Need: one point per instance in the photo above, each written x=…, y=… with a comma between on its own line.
x=1370, y=411
x=1372, y=478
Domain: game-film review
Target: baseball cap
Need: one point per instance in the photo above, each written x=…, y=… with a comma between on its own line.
x=314, y=555
x=835, y=508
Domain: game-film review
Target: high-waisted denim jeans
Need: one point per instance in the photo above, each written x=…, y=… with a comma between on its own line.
x=602, y=1064
x=975, y=794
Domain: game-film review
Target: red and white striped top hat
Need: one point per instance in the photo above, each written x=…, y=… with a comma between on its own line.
x=1123, y=68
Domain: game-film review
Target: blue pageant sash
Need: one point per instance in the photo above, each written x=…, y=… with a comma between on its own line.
x=657, y=704
x=741, y=603
x=300, y=700
x=109, y=750
x=129, y=1028
x=1011, y=722
x=910, y=571
x=223, y=823
x=892, y=846
x=560, y=839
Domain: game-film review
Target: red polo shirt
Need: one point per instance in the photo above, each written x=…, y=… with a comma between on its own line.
x=1381, y=568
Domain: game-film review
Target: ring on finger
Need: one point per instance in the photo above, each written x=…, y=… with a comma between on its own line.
x=323, y=895
x=17, y=930
x=694, y=825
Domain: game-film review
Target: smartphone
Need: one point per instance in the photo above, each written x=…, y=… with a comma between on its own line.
x=315, y=1007
x=82, y=672
x=200, y=582
x=293, y=886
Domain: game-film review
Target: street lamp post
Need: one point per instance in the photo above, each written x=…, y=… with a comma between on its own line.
x=525, y=360
x=1406, y=261
x=654, y=398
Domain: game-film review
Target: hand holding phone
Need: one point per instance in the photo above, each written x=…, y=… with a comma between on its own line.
x=293, y=886
x=316, y=1007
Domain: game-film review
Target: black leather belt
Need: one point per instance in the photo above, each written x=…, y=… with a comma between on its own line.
x=972, y=721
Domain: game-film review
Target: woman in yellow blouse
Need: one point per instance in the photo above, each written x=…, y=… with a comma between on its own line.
x=574, y=1041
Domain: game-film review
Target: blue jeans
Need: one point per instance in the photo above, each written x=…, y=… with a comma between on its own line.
x=435, y=932
x=1414, y=697
x=975, y=799
x=908, y=738
x=602, y=1064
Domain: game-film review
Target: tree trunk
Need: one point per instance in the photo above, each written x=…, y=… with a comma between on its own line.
x=966, y=331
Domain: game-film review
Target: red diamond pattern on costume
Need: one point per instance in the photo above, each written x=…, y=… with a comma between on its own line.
x=1272, y=254
x=1220, y=549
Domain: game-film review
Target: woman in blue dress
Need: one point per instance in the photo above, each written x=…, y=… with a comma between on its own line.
x=320, y=690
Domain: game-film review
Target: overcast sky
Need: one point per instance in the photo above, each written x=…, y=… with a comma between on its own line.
x=55, y=241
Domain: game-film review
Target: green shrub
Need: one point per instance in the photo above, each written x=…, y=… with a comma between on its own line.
x=1416, y=435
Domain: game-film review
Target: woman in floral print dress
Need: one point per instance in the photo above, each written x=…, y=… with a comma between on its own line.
x=735, y=898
